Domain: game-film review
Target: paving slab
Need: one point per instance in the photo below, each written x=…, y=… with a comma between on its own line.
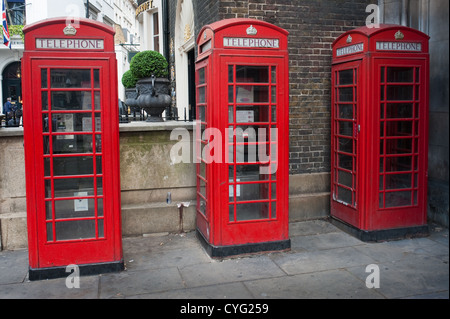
x=413, y=275
x=329, y=284
x=235, y=290
x=13, y=266
x=230, y=270
x=324, y=241
x=307, y=262
x=51, y=289
x=131, y=283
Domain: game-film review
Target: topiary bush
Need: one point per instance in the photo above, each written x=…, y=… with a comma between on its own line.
x=146, y=63
x=129, y=80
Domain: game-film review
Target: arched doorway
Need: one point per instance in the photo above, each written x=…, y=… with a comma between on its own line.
x=185, y=60
x=11, y=82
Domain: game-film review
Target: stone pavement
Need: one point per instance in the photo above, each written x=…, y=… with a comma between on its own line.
x=323, y=263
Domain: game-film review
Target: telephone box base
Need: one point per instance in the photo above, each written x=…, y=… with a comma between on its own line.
x=228, y=251
x=85, y=270
x=383, y=234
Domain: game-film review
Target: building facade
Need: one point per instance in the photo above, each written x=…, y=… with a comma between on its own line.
x=171, y=27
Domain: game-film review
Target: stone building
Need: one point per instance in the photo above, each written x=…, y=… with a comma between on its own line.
x=171, y=27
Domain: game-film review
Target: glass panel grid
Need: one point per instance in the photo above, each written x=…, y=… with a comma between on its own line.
x=73, y=180
x=252, y=137
x=345, y=137
x=201, y=114
x=399, y=134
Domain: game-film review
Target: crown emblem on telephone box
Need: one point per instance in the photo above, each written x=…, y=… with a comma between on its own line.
x=252, y=30
x=70, y=30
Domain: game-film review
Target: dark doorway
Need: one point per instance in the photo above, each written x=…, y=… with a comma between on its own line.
x=12, y=85
x=191, y=77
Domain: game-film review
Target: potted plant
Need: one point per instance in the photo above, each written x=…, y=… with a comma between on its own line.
x=129, y=82
x=151, y=70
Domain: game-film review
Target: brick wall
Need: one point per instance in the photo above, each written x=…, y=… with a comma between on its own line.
x=313, y=25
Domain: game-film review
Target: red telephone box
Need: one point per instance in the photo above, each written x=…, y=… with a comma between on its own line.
x=380, y=81
x=242, y=137
x=71, y=138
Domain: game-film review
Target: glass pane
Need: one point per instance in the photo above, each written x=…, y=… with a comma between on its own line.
x=400, y=74
x=70, y=187
x=97, y=100
x=230, y=114
x=274, y=94
x=398, y=181
x=44, y=78
x=71, y=100
x=344, y=195
x=345, y=111
x=49, y=231
x=345, y=94
x=346, y=128
x=71, y=122
x=202, y=186
x=252, y=94
x=99, y=165
x=252, y=211
x=247, y=192
x=201, y=94
x=399, y=93
x=396, y=199
x=44, y=100
x=201, y=113
x=345, y=145
x=273, y=191
x=399, y=128
x=201, y=76
x=345, y=162
x=76, y=165
x=345, y=178
x=252, y=113
x=101, y=232
x=70, y=78
x=274, y=74
x=75, y=208
x=398, y=146
x=48, y=210
x=77, y=229
x=230, y=74
x=399, y=110
x=230, y=94
x=346, y=77
x=382, y=75
x=252, y=74
x=96, y=79
x=398, y=164
x=69, y=144
x=274, y=113
x=100, y=207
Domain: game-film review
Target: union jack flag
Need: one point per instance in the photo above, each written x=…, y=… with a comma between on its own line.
x=5, y=31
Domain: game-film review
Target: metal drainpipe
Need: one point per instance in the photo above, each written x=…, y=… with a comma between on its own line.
x=166, y=32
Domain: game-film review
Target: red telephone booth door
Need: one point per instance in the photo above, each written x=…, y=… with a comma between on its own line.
x=402, y=155
x=255, y=166
x=345, y=143
x=74, y=170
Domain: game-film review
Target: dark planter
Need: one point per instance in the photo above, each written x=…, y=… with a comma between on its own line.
x=153, y=97
x=131, y=97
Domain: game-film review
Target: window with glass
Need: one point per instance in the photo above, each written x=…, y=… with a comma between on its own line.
x=72, y=149
x=345, y=136
x=399, y=136
x=252, y=142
